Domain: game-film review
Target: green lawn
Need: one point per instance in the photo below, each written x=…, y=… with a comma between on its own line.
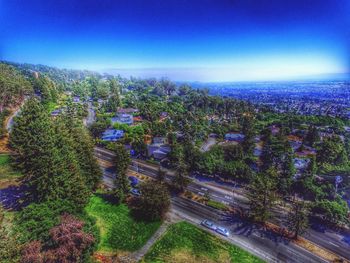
x=184, y=242
x=8, y=175
x=118, y=230
x=4, y=159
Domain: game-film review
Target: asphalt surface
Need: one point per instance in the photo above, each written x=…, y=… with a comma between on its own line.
x=264, y=244
x=91, y=115
x=333, y=241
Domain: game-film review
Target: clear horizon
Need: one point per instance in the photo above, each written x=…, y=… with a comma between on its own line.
x=207, y=41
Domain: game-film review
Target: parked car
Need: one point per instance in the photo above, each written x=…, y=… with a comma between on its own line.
x=222, y=231
x=133, y=181
x=208, y=224
x=135, y=192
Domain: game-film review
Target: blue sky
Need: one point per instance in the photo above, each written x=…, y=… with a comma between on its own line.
x=204, y=40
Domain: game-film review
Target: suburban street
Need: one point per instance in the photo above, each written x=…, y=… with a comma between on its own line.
x=266, y=245
x=91, y=115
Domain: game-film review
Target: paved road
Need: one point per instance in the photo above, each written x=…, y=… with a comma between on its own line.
x=331, y=240
x=337, y=242
x=10, y=121
x=263, y=244
x=90, y=119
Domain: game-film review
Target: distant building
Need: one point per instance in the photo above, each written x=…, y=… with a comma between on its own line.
x=76, y=99
x=163, y=115
x=236, y=137
x=36, y=74
x=301, y=163
x=137, y=119
x=275, y=129
x=112, y=135
x=55, y=113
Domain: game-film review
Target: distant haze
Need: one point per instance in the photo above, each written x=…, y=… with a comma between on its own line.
x=203, y=40
x=220, y=75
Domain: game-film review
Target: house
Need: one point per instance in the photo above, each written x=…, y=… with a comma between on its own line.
x=137, y=119
x=163, y=115
x=76, y=99
x=236, y=137
x=301, y=163
x=123, y=119
x=275, y=129
x=127, y=111
x=112, y=135
x=160, y=140
x=55, y=113
x=158, y=151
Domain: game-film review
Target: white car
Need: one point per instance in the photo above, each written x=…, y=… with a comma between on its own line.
x=208, y=224
x=222, y=231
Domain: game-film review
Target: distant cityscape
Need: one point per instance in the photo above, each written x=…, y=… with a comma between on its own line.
x=323, y=98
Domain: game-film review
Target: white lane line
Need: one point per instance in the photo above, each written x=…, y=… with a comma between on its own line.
x=333, y=244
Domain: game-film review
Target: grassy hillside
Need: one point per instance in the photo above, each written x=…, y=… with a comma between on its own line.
x=187, y=243
x=118, y=230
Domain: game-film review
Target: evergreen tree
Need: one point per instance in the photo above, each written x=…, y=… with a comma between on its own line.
x=262, y=194
x=32, y=139
x=84, y=147
x=161, y=175
x=286, y=175
x=298, y=220
x=68, y=182
x=332, y=152
x=312, y=136
x=122, y=183
x=45, y=154
x=180, y=180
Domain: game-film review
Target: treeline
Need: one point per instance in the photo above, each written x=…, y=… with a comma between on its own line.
x=59, y=175
x=62, y=77
x=13, y=88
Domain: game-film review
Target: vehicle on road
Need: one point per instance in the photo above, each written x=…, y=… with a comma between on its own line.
x=133, y=181
x=208, y=224
x=135, y=192
x=222, y=231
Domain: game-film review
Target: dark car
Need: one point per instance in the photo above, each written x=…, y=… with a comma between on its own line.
x=133, y=181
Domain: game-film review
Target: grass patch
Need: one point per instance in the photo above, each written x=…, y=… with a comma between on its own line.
x=51, y=106
x=8, y=175
x=217, y=205
x=118, y=230
x=4, y=159
x=184, y=242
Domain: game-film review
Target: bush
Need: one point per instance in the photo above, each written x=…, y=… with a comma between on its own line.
x=35, y=220
x=335, y=212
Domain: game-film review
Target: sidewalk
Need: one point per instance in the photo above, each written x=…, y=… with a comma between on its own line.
x=138, y=255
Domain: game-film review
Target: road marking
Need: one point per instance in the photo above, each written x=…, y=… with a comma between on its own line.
x=333, y=244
